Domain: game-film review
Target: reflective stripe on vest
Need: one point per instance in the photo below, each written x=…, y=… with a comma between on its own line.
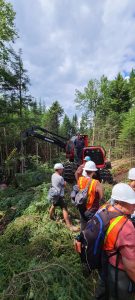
x=82, y=183
x=116, y=225
x=91, y=194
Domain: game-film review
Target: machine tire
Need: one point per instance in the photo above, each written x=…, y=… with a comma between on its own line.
x=106, y=176
x=103, y=175
x=69, y=171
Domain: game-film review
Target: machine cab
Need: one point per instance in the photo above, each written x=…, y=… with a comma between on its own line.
x=97, y=154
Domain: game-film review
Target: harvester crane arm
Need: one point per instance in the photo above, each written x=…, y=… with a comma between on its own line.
x=33, y=131
x=50, y=137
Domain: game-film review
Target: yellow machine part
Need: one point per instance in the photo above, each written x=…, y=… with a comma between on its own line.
x=11, y=154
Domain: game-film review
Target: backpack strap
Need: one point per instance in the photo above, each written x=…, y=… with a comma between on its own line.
x=91, y=194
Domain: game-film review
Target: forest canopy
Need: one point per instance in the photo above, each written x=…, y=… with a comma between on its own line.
x=107, y=106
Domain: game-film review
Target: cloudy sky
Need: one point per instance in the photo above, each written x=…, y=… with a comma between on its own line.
x=67, y=42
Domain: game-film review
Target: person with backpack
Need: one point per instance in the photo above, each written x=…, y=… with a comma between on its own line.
x=94, y=193
x=56, y=195
x=119, y=245
x=79, y=171
x=108, y=244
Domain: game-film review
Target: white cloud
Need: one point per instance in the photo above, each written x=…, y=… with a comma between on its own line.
x=66, y=42
x=66, y=66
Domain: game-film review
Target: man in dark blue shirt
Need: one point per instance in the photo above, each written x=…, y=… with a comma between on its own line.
x=79, y=145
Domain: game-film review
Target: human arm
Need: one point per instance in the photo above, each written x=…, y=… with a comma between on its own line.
x=126, y=246
x=62, y=182
x=78, y=173
x=129, y=266
x=99, y=190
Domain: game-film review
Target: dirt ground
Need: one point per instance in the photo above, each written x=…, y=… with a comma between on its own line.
x=121, y=167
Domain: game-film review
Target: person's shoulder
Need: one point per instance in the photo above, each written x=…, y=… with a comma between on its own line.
x=97, y=182
x=55, y=175
x=129, y=225
x=128, y=229
x=80, y=167
x=81, y=178
x=126, y=236
x=59, y=177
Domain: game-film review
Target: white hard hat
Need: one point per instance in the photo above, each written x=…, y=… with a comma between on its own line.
x=58, y=166
x=123, y=192
x=131, y=174
x=90, y=166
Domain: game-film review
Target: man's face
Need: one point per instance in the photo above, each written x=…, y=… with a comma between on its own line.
x=130, y=208
x=132, y=184
x=60, y=171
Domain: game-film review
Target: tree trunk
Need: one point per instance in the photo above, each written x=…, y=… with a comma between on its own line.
x=93, y=134
x=6, y=147
x=37, y=153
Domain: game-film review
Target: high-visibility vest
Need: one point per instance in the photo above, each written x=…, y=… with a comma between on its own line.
x=112, y=232
x=82, y=183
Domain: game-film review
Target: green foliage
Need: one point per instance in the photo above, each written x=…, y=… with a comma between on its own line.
x=7, y=28
x=15, y=82
x=54, y=115
x=108, y=108
x=32, y=178
x=66, y=127
x=128, y=127
x=7, y=15
x=107, y=191
x=90, y=99
x=74, y=125
x=37, y=258
x=85, y=124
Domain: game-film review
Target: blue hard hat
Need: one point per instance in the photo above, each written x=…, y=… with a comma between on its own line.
x=87, y=158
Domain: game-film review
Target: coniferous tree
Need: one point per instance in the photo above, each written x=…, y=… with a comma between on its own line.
x=66, y=127
x=54, y=115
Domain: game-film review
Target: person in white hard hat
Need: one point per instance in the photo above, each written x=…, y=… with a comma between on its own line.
x=95, y=193
x=119, y=246
x=57, y=182
x=131, y=177
x=79, y=171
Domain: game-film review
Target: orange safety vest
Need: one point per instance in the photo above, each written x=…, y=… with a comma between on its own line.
x=82, y=183
x=113, y=230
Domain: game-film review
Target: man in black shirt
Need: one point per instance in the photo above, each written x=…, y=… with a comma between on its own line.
x=79, y=145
